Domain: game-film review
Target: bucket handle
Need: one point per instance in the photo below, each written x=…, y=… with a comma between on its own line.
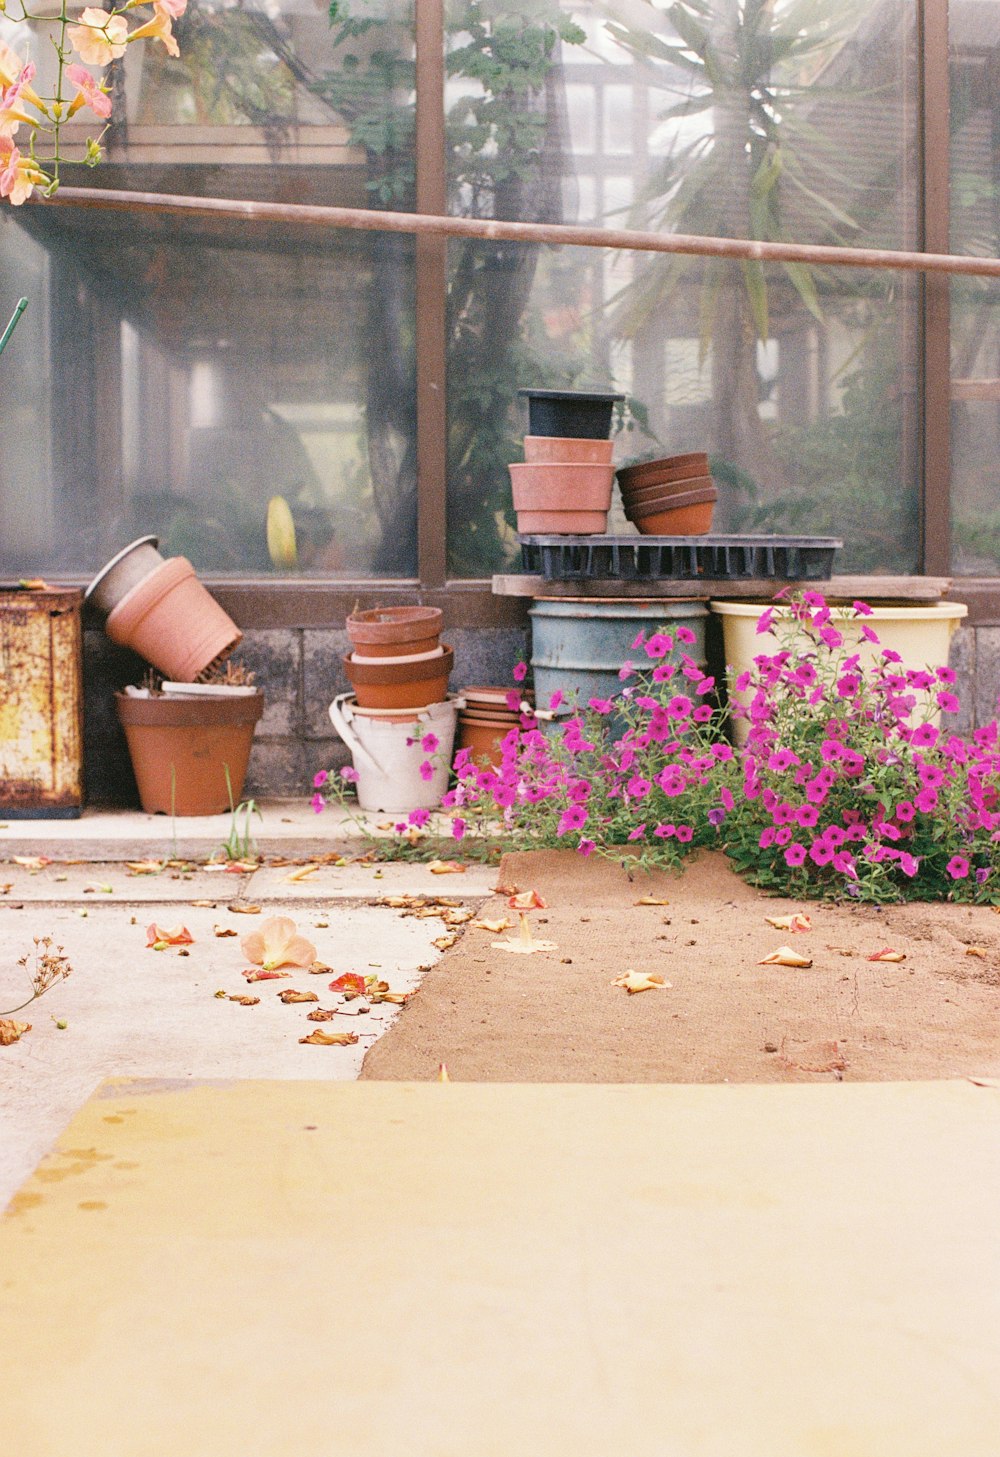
x=342, y=724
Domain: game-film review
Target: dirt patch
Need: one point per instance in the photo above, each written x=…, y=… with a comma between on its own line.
x=557, y=1017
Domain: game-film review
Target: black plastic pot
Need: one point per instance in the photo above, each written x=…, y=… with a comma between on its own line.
x=570, y=414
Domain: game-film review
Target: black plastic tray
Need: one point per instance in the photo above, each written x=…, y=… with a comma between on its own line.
x=679, y=558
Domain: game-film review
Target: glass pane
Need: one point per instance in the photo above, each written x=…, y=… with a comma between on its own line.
x=181, y=372
x=793, y=121
x=975, y=302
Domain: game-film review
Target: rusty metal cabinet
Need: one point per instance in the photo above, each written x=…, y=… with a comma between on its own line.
x=41, y=703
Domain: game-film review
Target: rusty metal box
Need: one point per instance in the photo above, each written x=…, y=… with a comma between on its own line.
x=41, y=703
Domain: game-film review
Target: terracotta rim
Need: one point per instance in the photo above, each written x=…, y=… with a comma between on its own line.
x=667, y=488
x=693, y=520
x=492, y=693
x=188, y=711
x=385, y=659
x=567, y=449
x=388, y=673
x=394, y=624
x=672, y=503
x=669, y=468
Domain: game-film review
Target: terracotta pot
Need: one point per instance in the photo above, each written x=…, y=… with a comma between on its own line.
x=635, y=510
x=482, y=738
x=124, y=571
x=181, y=747
x=173, y=622
x=483, y=694
x=669, y=468
x=556, y=449
x=487, y=715
x=664, y=491
x=385, y=632
x=562, y=487
x=400, y=685
x=687, y=515
x=562, y=523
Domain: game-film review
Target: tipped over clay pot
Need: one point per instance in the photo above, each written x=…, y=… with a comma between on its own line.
x=173, y=622
x=689, y=514
x=669, y=468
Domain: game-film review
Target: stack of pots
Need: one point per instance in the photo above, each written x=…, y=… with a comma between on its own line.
x=398, y=661
x=399, y=672
x=564, y=486
x=675, y=496
x=487, y=718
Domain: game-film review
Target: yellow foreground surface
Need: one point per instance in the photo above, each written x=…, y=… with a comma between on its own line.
x=447, y=1270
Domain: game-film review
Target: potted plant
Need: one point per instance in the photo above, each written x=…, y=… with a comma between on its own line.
x=190, y=750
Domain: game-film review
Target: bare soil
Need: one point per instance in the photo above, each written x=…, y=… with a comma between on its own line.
x=556, y=1016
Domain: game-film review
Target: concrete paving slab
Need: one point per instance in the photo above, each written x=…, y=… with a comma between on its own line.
x=133, y=1011
x=283, y=826
x=104, y=882
x=431, y=1269
x=367, y=881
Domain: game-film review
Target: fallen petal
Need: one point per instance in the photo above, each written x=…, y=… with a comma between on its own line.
x=11, y=1031
x=444, y=943
x=321, y=1014
x=302, y=874
x=785, y=956
x=32, y=862
x=976, y=951
x=495, y=926
x=651, y=900
x=446, y=867
x=256, y=973
x=221, y=931
x=641, y=981
x=527, y=900
x=351, y=981
x=289, y=995
x=797, y=922
x=319, y=1038
x=143, y=867
x=244, y=910
x=278, y=944
x=158, y=938
x=887, y=954
x=244, y=1001
x=442, y=1076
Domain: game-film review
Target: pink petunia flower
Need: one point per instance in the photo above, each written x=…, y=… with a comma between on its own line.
x=520, y=672
x=958, y=867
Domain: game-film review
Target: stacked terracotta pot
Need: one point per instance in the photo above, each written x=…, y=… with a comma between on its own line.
x=488, y=718
x=675, y=496
x=398, y=662
x=564, y=486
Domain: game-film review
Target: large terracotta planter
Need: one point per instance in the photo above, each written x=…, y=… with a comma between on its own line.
x=181, y=749
x=173, y=622
x=572, y=414
x=686, y=515
x=387, y=632
x=555, y=450
x=400, y=685
x=670, y=468
x=126, y=569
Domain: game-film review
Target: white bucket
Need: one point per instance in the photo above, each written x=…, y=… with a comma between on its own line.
x=921, y=635
x=387, y=766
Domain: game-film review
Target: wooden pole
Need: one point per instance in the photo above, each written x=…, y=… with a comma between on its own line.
x=365, y=219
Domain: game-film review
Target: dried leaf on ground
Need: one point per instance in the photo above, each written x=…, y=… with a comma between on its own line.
x=796, y=922
x=379, y=992
x=979, y=951
x=205, y=905
x=652, y=900
x=244, y=910
x=813, y=1057
x=143, y=867
x=221, y=931
x=785, y=956
x=244, y=1001
x=525, y=945
x=231, y=867
x=256, y=973
x=444, y=943
x=304, y=873
x=32, y=862
x=888, y=953
x=446, y=867
x=321, y=1014
x=456, y=918
x=159, y=939
x=11, y=1031
x=319, y=1038
x=278, y=943
x=7, y=887
x=349, y=981
x=496, y=926
x=290, y=995
x=527, y=900
x=641, y=981
x=319, y=968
